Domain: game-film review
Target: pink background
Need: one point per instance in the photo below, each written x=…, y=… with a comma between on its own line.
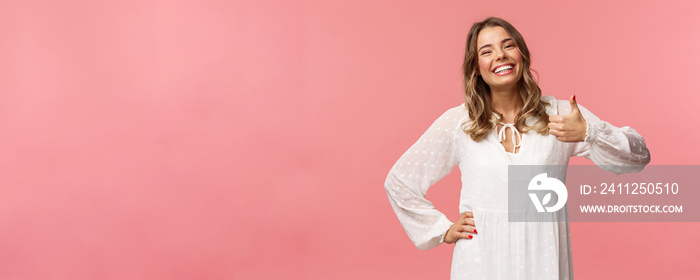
x=251, y=139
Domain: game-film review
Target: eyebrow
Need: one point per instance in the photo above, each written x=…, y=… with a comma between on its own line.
x=502, y=41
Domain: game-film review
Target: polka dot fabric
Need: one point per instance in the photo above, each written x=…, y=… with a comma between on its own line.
x=502, y=249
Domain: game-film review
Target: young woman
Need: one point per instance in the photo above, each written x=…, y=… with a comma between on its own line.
x=505, y=120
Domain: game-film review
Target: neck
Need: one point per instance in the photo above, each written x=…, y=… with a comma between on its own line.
x=507, y=102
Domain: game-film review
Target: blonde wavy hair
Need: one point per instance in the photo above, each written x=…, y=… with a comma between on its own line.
x=482, y=119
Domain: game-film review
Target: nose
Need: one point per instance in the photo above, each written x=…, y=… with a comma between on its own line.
x=500, y=54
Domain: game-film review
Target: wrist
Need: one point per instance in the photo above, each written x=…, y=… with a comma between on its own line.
x=445, y=236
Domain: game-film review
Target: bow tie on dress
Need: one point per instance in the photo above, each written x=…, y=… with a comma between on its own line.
x=514, y=132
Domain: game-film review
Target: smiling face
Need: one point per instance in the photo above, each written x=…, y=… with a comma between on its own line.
x=500, y=62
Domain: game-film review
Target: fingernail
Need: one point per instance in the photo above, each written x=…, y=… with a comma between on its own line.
x=475, y=231
x=470, y=237
x=574, y=97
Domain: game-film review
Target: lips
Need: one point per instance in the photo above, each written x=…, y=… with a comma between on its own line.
x=504, y=69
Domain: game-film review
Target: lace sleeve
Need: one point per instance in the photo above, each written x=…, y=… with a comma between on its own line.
x=615, y=149
x=422, y=165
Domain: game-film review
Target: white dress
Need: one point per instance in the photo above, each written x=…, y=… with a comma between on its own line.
x=501, y=249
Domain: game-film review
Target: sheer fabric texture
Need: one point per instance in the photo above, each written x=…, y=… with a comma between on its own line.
x=502, y=249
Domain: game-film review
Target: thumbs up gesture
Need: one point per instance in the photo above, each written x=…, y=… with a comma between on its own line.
x=571, y=127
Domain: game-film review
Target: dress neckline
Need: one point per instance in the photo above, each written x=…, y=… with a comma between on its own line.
x=514, y=133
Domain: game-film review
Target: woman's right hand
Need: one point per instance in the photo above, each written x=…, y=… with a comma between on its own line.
x=463, y=228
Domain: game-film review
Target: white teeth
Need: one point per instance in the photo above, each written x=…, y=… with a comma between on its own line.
x=503, y=68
